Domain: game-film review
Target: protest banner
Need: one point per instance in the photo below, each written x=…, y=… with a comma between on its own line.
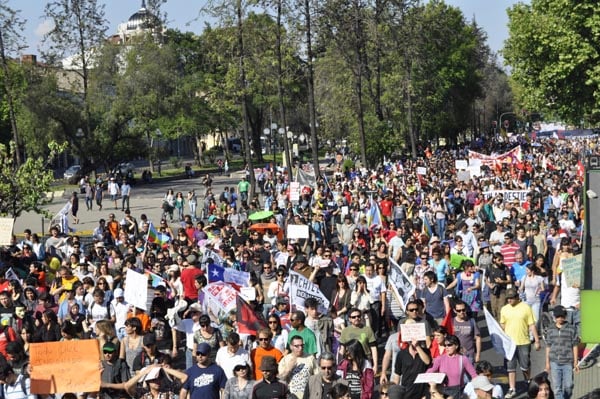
x=401, y=284
x=413, y=331
x=219, y=297
x=510, y=157
x=6, y=230
x=136, y=289
x=501, y=342
x=507, y=195
x=302, y=288
x=65, y=366
x=297, y=231
x=571, y=269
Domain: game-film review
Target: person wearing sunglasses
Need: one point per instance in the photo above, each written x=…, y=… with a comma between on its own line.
x=296, y=367
x=264, y=348
x=358, y=331
x=206, y=380
x=454, y=365
x=465, y=328
x=321, y=384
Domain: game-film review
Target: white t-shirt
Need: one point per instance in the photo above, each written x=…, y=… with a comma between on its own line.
x=376, y=287
x=228, y=361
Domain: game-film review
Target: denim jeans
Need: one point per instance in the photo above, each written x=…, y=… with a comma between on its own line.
x=562, y=380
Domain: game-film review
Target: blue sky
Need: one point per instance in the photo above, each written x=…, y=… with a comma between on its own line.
x=184, y=15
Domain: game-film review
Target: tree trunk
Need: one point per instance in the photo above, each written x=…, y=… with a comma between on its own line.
x=245, y=101
x=311, y=91
x=280, y=94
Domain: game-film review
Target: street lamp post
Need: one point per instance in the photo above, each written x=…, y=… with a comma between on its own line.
x=500, y=120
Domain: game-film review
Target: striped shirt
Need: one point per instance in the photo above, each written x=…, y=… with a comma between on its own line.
x=561, y=341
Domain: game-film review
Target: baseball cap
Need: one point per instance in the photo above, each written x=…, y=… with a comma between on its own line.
x=203, y=348
x=483, y=383
x=118, y=293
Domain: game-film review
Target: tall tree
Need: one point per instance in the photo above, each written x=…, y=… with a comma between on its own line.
x=11, y=40
x=79, y=31
x=553, y=52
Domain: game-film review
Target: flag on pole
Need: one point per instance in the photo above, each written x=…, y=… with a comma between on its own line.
x=248, y=321
x=156, y=237
x=374, y=214
x=228, y=275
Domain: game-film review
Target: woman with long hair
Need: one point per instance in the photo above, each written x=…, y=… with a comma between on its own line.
x=467, y=284
x=342, y=297
x=454, y=365
x=357, y=370
x=540, y=388
x=280, y=335
x=240, y=386
x=105, y=332
x=361, y=298
x=48, y=329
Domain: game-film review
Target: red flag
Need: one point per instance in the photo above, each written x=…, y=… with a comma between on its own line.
x=248, y=321
x=447, y=323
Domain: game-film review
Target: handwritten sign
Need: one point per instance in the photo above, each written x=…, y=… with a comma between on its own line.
x=6, y=230
x=294, y=191
x=136, y=289
x=413, y=331
x=571, y=269
x=66, y=366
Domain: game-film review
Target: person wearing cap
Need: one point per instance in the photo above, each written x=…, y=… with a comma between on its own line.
x=148, y=355
x=270, y=387
x=483, y=369
x=121, y=309
x=114, y=370
x=561, y=354
x=482, y=387
x=206, y=380
x=517, y=321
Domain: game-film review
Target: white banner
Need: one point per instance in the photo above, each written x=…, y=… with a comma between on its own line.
x=297, y=231
x=219, y=297
x=302, y=288
x=136, y=289
x=501, y=342
x=508, y=195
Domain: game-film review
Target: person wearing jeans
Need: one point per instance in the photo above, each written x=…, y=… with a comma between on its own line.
x=561, y=354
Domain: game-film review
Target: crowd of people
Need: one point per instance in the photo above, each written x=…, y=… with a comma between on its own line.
x=418, y=215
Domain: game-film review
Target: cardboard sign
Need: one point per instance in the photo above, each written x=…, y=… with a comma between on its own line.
x=421, y=170
x=136, y=289
x=413, y=331
x=6, y=230
x=297, y=231
x=248, y=293
x=571, y=269
x=66, y=366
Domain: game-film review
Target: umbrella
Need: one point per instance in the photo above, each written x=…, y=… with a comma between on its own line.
x=260, y=215
x=264, y=226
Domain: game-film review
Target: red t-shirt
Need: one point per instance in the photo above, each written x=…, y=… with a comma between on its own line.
x=188, y=276
x=386, y=207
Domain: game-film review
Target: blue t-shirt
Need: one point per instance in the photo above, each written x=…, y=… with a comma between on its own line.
x=205, y=383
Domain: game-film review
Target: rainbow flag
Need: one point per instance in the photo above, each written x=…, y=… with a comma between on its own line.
x=156, y=237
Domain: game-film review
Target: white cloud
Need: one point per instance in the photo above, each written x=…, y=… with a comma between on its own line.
x=44, y=27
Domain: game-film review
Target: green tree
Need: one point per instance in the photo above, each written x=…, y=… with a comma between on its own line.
x=23, y=188
x=79, y=30
x=552, y=50
x=11, y=39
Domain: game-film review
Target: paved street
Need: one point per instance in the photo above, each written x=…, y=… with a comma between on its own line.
x=148, y=199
